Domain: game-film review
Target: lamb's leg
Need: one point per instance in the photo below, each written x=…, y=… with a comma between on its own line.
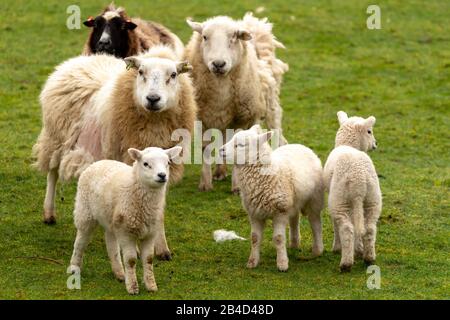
x=347, y=240
x=336, y=240
x=84, y=236
x=235, y=182
x=49, y=202
x=279, y=240
x=294, y=231
x=369, y=238
x=112, y=246
x=316, y=227
x=128, y=246
x=221, y=172
x=257, y=227
x=206, y=177
x=147, y=249
x=161, y=248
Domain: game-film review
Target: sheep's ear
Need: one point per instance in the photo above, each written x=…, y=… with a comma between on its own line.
x=370, y=121
x=128, y=25
x=135, y=154
x=265, y=137
x=132, y=62
x=183, y=67
x=257, y=128
x=90, y=22
x=174, y=152
x=196, y=26
x=243, y=35
x=342, y=117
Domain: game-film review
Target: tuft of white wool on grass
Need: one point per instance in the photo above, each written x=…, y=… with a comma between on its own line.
x=225, y=235
x=354, y=198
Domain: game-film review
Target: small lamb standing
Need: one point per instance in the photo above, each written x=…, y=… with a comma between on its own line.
x=237, y=78
x=354, y=190
x=128, y=202
x=277, y=185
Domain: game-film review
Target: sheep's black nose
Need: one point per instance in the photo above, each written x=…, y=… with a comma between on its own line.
x=153, y=99
x=219, y=64
x=104, y=43
x=162, y=175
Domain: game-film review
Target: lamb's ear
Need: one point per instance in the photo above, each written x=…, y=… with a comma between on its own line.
x=196, y=26
x=257, y=128
x=342, y=117
x=132, y=62
x=265, y=137
x=370, y=121
x=90, y=22
x=135, y=154
x=174, y=152
x=243, y=35
x=129, y=25
x=183, y=67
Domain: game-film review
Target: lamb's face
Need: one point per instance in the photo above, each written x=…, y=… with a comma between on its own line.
x=221, y=43
x=157, y=84
x=152, y=164
x=356, y=130
x=245, y=146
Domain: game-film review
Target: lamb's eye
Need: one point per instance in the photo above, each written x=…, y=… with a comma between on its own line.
x=141, y=73
x=205, y=38
x=173, y=75
x=145, y=164
x=369, y=131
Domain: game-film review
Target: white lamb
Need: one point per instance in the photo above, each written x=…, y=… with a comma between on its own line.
x=354, y=191
x=128, y=202
x=237, y=78
x=277, y=185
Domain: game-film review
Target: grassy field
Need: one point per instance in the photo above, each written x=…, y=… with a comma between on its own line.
x=400, y=74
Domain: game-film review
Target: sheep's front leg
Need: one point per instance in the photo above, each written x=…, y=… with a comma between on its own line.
x=128, y=246
x=112, y=246
x=147, y=249
x=369, y=237
x=161, y=248
x=49, y=202
x=257, y=227
x=206, y=177
x=279, y=240
x=294, y=231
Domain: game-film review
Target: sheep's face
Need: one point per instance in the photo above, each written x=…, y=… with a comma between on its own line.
x=222, y=43
x=356, y=132
x=110, y=32
x=246, y=146
x=157, y=82
x=152, y=164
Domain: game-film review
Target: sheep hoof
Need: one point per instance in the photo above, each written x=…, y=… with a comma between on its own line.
x=251, y=264
x=165, y=256
x=120, y=276
x=345, y=268
x=49, y=219
x=317, y=252
x=152, y=288
x=205, y=187
x=133, y=289
x=236, y=191
x=283, y=268
x=219, y=176
x=369, y=262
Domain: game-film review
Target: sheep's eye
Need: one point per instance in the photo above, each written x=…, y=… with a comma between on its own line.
x=369, y=131
x=205, y=38
x=141, y=73
x=145, y=164
x=173, y=75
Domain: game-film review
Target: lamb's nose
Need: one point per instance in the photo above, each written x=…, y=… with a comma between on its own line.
x=104, y=42
x=219, y=64
x=162, y=175
x=153, y=99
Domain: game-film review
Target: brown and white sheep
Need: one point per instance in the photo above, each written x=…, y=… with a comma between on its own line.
x=113, y=32
x=95, y=107
x=237, y=77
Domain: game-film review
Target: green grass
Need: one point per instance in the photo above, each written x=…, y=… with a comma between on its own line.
x=400, y=74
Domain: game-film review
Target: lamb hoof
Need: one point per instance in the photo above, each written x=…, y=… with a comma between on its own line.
x=336, y=250
x=73, y=269
x=369, y=262
x=283, y=268
x=219, y=176
x=164, y=256
x=236, y=191
x=345, y=268
x=317, y=252
x=205, y=187
x=119, y=276
x=152, y=288
x=133, y=289
x=49, y=219
x=251, y=264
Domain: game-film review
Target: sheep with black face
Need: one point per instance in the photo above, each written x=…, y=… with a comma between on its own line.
x=113, y=32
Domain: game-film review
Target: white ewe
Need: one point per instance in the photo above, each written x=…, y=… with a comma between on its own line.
x=354, y=190
x=278, y=185
x=128, y=202
x=237, y=78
